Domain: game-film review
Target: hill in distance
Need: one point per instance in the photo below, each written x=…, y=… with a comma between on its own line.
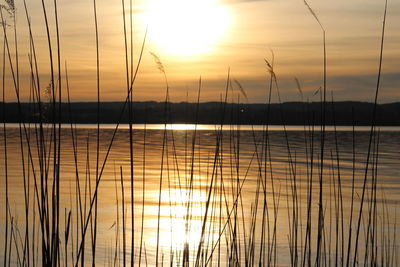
x=290, y=113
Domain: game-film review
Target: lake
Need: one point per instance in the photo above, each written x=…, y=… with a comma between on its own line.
x=244, y=195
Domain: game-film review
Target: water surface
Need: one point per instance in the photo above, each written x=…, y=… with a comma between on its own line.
x=195, y=165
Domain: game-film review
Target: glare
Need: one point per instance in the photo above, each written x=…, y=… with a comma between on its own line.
x=186, y=27
x=181, y=127
x=173, y=218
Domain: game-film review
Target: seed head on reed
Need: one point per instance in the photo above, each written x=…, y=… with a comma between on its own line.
x=158, y=62
x=239, y=85
x=298, y=87
x=9, y=7
x=317, y=91
x=314, y=14
x=270, y=68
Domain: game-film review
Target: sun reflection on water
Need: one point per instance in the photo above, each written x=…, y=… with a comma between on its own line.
x=179, y=224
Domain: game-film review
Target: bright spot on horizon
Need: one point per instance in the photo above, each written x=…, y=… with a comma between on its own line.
x=186, y=27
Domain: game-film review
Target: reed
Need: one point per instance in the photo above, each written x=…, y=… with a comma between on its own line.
x=371, y=133
x=261, y=202
x=5, y=156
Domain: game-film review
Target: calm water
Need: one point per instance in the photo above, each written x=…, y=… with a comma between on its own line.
x=266, y=176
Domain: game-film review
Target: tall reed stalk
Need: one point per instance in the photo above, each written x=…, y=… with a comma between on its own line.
x=373, y=121
x=260, y=202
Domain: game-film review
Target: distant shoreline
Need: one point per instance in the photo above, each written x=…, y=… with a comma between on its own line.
x=344, y=113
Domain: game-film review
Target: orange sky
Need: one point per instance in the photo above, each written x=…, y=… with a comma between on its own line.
x=246, y=31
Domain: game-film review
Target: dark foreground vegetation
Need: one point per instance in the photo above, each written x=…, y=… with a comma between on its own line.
x=49, y=232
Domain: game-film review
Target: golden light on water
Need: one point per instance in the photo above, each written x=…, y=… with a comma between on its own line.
x=173, y=223
x=186, y=27
x=182, y=127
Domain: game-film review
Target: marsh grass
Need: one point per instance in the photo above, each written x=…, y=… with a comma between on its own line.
x=306, y=200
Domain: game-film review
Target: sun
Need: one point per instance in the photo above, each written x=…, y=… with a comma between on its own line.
x=186, y=27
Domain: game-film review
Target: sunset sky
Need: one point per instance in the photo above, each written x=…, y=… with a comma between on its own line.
x=206, y=38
